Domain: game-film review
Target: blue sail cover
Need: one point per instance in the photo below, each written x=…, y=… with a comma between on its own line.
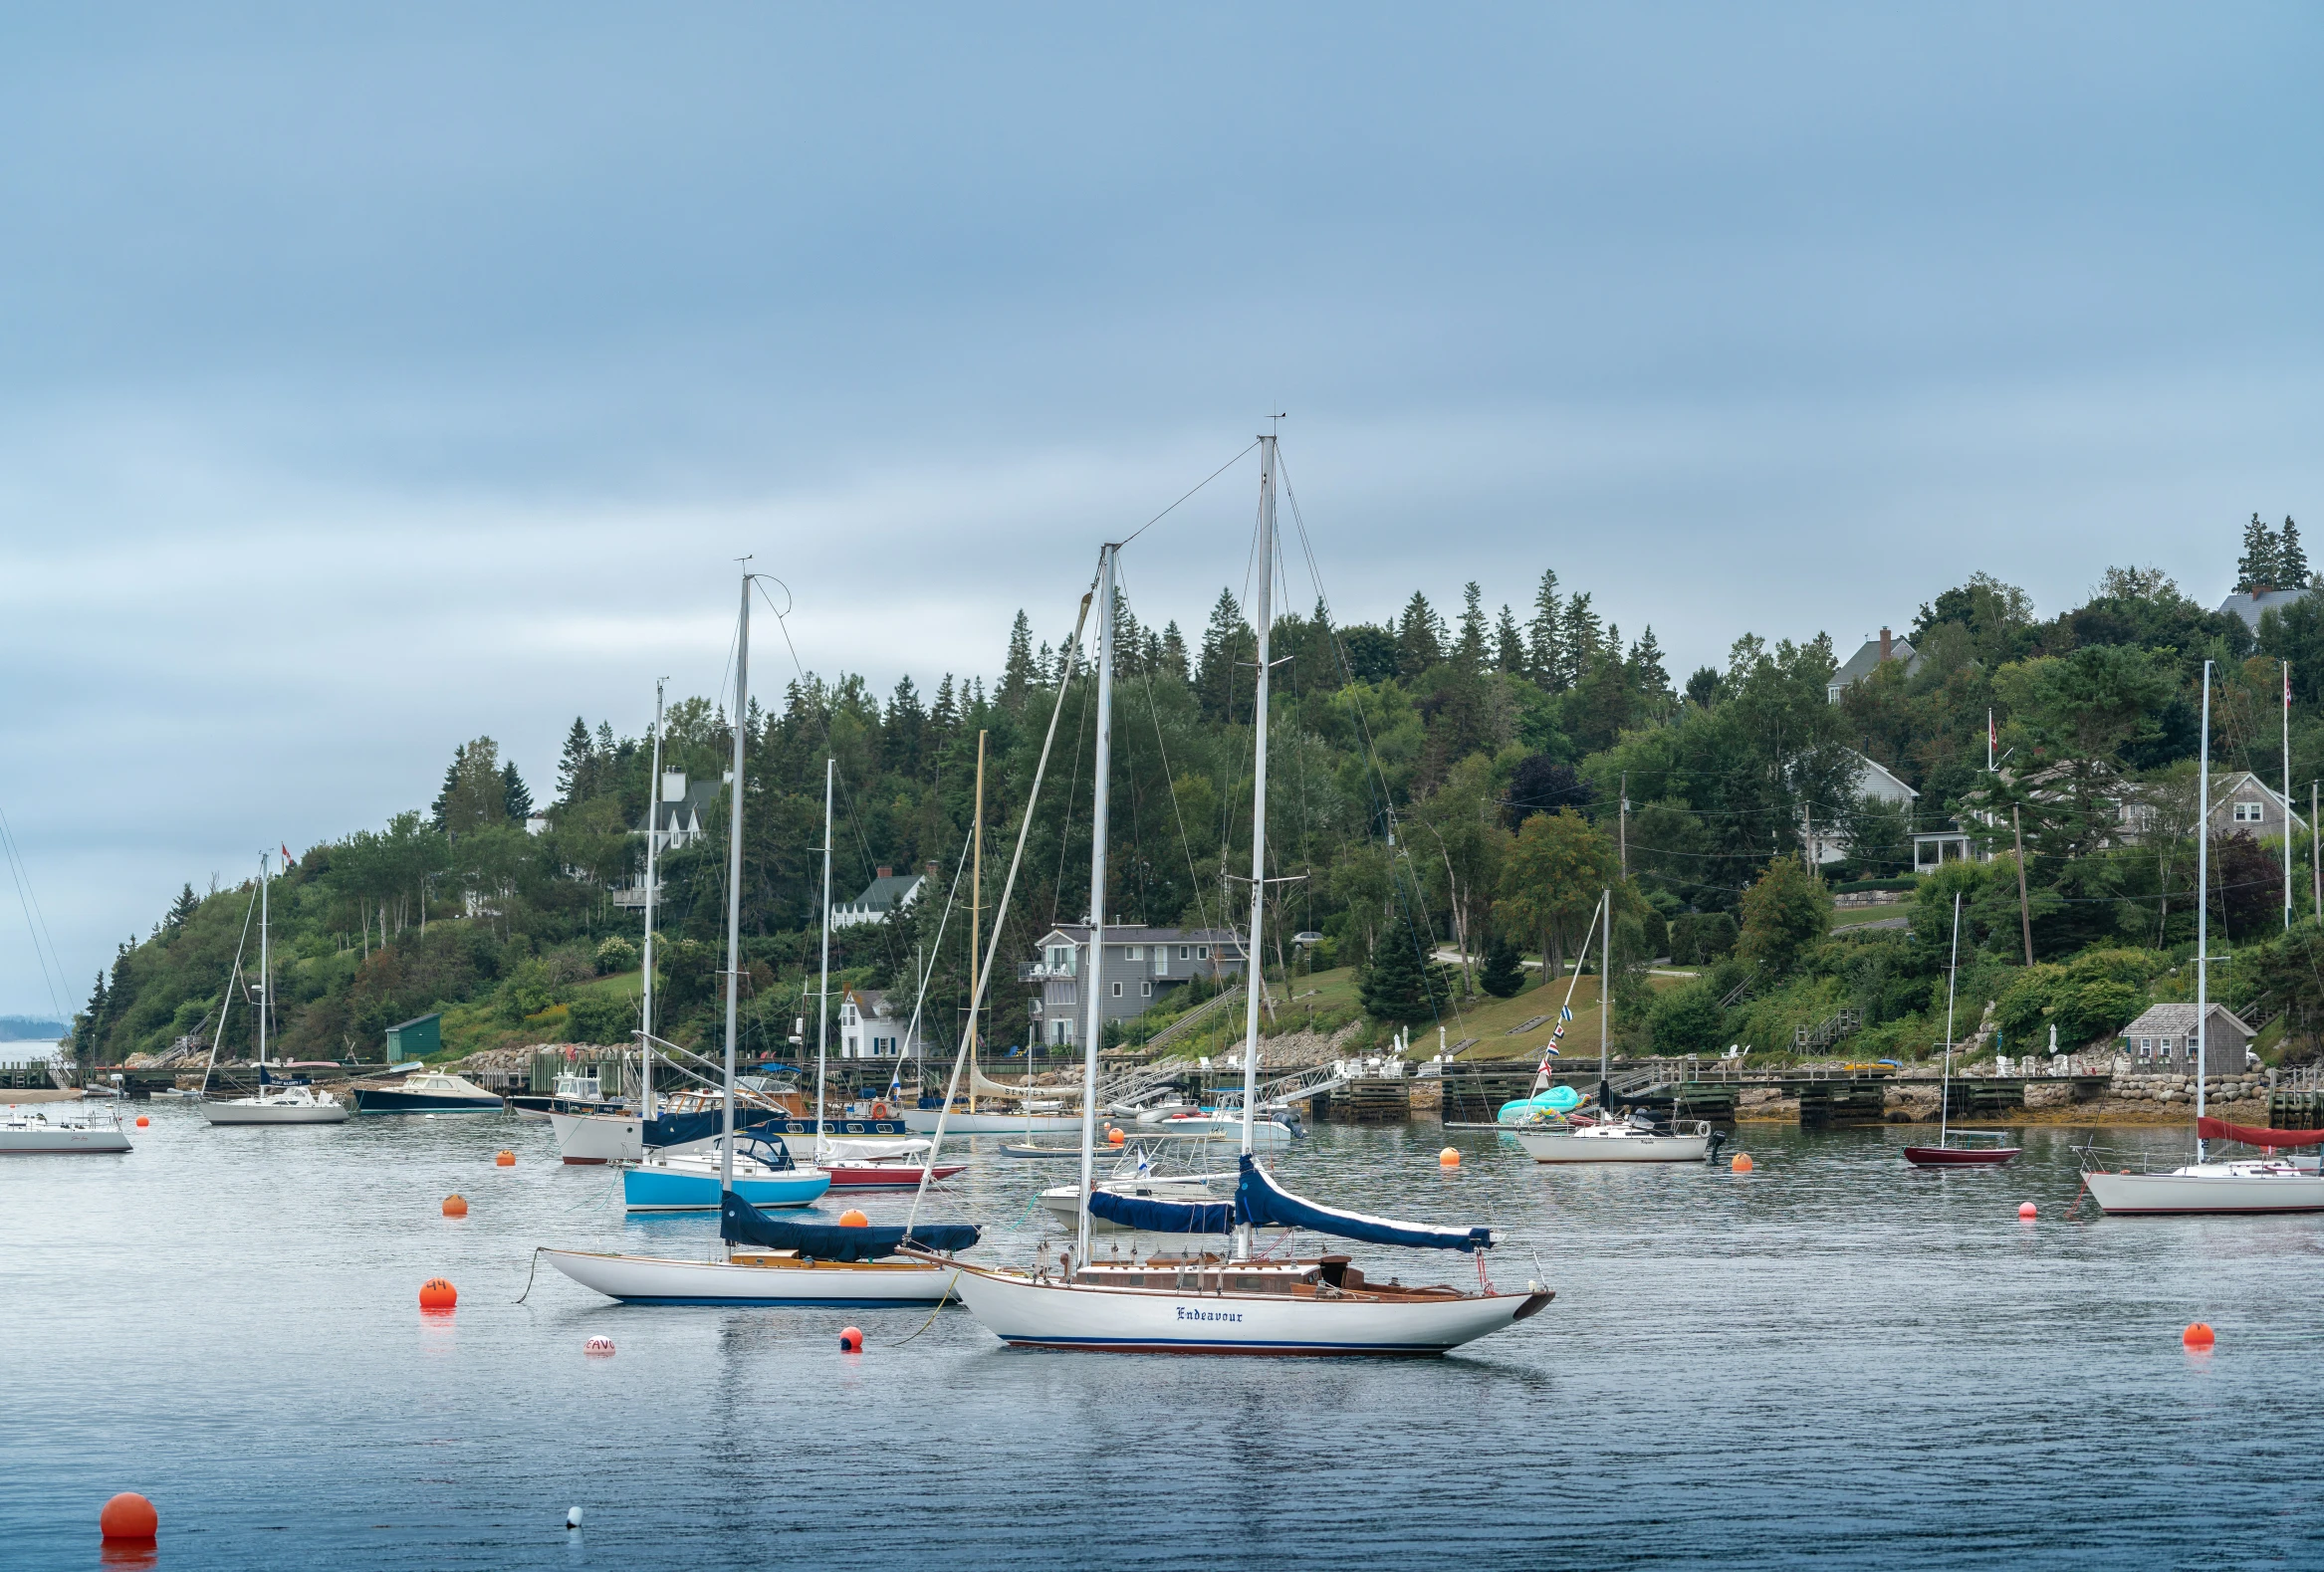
x=1163, y=1217
x=740, y=1223
x=1259, y=1201
x=676, y=1129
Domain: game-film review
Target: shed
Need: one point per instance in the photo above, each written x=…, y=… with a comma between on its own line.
x=415, y=1038
x=2162, y=1041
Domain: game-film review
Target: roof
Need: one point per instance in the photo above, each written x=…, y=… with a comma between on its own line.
x=880, y=894
x=418, y=1021
x=1139, y=933
x=2178, y=1020
x=1866, y=660
x=1876, y=774
x=869, y=1000
x=2223, y=793
x=700, y=796
x=2249, y=604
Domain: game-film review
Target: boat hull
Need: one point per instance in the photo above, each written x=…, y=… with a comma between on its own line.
x=2160, y=1195
x=884, y=1176
x=246, y=1113
x=650, y=1188
x=1560, y=1146
x=922, y=1121
x=57, y=1142
x=375, y=1100
x=645, y=1280
x=1026, y=1313
x=585, y=1138
x=533, y=1105
x=1959, y=1156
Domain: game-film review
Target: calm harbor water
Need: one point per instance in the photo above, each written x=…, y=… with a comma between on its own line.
x=1831, y=1360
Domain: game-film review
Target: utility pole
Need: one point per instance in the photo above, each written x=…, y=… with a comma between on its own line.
x=2315, y=846
x=1807, y=836
x=2025, y=911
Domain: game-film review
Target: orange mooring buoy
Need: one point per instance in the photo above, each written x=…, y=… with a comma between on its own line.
x=128, y=1515
x=437, y=1295
x=1114, y=1135
x=455, y=1206
x=2029, y=1210
x=852, y=1219
x=1742, y=1163
x=143, y=1121
x=850, y=1340
x=1450, y=1157
x=505, y=1158
x=2200, y=1336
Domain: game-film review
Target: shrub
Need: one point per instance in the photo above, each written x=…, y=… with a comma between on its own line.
x=617, y=954
x=1701, y=938
x=1687, y=1020
x=1503, y=975
x=596, y=1018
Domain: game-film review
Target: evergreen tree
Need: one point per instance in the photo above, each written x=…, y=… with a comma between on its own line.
x=576, y=767
x=944, y=714
x=1395, y=987
x=439, y=811
x=902, y=733
x=1508, y=645
x=2291, y=562
x=181, y=909
x=1172, y=662
x=516, y=800
x=1578, y=650
x=1469, y=652
x=2257, y=567
x=1503, y=972
x=1420, y=637
x=1016, y=671
x=1546, y=635
x=1646, y=668
x=1227, y=641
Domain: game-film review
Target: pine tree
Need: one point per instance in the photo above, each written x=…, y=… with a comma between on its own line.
x=1227, y=641
x=1173, y=662
x=182, y=909
x=1469, y=652
x=1546, y=635
x=1395, y=988
x=1579, y=650
x=1420, y=637
x=1505, y=972
x=1508, y=645
x=1646, y=668
x=944, y=714
x=902, y=733
x=2257, y=568
x=2291, y=562
x=576, y=767
x=1016, y=671
x=440, y=810
x=515, y=798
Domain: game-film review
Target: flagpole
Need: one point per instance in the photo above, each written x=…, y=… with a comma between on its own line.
x=2287, y=797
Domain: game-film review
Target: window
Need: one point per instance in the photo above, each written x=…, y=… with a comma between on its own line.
x=1117, y=990
x=1058, y=1028
x=2145, y=1047
x=2249, y=814
x=1137, y=953
x=1147, y=988
x=1182, y=952
x=1202, y=951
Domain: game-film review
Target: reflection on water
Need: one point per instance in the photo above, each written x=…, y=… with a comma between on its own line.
x=1831, y=1358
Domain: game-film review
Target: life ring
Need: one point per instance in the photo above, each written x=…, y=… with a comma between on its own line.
x=879, y=1110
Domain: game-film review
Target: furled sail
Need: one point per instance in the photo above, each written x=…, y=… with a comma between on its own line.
x=985, y=1087
x=2255, y=1135
x=678, y=1129
x=1163, y=1217
x=740, y=1223
x=1260, y=1202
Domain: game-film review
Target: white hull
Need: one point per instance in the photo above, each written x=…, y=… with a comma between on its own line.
x=598, y=1137
x=2249, y=1188
x=274, y=1113
x=38, y=1142
x=645, y=1280
x=922, y=1121
x=1267, y=1135
x=1063, y=1202
x=1614, y=1144
x=1028, y=1315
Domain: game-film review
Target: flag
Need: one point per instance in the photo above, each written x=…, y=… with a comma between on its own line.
x=287, y=851
x=1565, y=1013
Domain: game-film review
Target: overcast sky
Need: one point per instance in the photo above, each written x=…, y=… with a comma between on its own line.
x=373, y=383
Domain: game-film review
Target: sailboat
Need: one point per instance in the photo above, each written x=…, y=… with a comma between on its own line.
x=1945, y=1154
x=1236, y=1301
x=1606, y=1139
x=296, y=1104
x=2264, y=1184
x=768, y=1261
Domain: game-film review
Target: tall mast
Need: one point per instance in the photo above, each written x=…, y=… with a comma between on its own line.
x=1605, y=1004
x=824, y=995
x=976, y=913
x=1952, y=973
x=2287, y=796
x=734, y=876
x=653, y=836
x=266, y=980
x=1251, y=978
x=1092, y=982
x=2202, y=905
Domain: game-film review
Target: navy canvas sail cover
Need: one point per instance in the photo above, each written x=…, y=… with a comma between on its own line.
x=1261, y=1203
x=676, y=1129
x=740, y=1223
x=1163, y=1217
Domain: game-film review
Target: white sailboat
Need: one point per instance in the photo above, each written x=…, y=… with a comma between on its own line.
x=1226, y=1303
x=299, y=1105
x=2252, y=1185
x=1607, y=1139
x=46, y=1132
x=764, y=1260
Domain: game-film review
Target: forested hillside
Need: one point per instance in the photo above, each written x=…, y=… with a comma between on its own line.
x=1435, y=784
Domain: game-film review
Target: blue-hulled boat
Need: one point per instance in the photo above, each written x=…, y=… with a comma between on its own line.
x=763, y=1175
x=428, y=1091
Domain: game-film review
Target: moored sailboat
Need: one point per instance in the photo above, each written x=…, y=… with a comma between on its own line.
x=297, y=1105
x=1945, y=1154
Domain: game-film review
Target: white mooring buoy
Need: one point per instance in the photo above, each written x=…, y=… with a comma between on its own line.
x=572, y=1518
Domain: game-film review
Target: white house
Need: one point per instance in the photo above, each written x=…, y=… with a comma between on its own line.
x=874, y=1027
x=679, y=816
x=891, y=891
x=1874, y=780
x=1875, y=654
x=2242, y=802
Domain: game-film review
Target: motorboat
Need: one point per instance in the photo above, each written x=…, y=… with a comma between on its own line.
x=1636, y=1139
x=880, y=1165
x=298, y=1103
x=43, y=1132
x=428, y=1091
x=573, y=1092
x=1268, y=1133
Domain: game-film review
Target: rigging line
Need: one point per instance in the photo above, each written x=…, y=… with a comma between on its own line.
x=1185, y=842
x=36, y=922
x=1204, y=481
x=912, y=1031
x=1073, y=785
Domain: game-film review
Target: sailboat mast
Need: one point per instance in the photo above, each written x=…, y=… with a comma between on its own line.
x=653, y=836
x=976, y=928
x=823, y=994
x=2202, y=905
x=1605, y=1002
x=1252, y=979
x=1094, y=982
x=734, y=878
x=265, y=973
x=1952, y=975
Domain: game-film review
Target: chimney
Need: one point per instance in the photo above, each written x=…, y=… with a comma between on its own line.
x=1886, y=643
x=886, y=872
x=931, y=872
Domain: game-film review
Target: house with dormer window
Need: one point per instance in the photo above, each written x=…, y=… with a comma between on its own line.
x=1140, y=966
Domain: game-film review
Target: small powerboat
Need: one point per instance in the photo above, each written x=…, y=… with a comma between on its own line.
x=574, y=1093
x=428, y=1091
x=880, y=1165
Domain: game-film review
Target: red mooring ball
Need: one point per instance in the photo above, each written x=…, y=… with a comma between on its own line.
x=2198, y=1336
x=437, y=1295
x=128, y=1515
x=852, y=1340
